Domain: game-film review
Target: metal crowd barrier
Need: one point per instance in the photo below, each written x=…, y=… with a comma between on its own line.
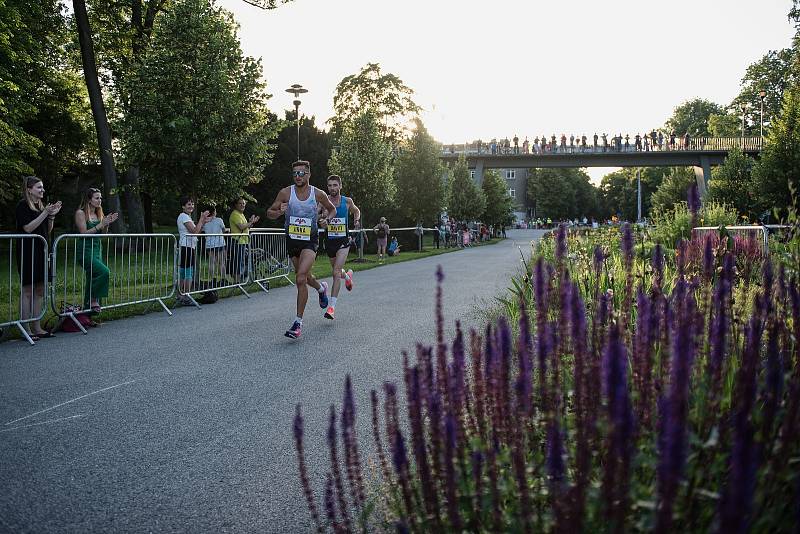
x=23, y=253
x=118, y=269
x=764, y=230
x=269, y=258
x=218, y=261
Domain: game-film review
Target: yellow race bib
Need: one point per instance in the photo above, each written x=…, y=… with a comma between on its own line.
x=337, y=227
x=300, y=228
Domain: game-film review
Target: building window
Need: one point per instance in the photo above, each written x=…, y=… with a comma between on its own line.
x=511, y=174
x=512, y=193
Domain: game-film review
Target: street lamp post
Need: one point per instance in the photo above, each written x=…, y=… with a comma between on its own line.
x=744, y=111
x=296, y=89
x=762, y=94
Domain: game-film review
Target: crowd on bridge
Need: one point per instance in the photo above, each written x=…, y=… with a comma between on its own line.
x=655, y=140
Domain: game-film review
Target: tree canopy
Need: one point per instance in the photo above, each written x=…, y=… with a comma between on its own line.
x=465, y=200
x=499, y=208
x=692, y=117
x=420, y=188
x=562, y=193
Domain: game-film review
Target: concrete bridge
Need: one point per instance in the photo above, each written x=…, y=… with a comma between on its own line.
x=701, y=153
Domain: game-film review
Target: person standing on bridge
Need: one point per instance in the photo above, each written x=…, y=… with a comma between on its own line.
x=298, y=202
x=595, y=141
x=337, y=244
x=516, y=144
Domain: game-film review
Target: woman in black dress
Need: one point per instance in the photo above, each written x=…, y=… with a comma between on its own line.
x=33, y=217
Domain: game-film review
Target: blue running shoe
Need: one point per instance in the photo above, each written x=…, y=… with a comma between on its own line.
x=294, y=331
x=323, y=297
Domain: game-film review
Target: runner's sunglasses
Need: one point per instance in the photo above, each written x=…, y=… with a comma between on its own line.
x=299, y=173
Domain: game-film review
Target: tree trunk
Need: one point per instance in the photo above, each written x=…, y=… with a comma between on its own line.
x=147, y=202
x=133, y=203
x=99, y=113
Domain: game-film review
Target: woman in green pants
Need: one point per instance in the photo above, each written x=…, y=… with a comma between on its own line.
x=89, y=219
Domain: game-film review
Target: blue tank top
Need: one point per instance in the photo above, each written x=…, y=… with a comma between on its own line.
x=337, y=227
x=301, y=216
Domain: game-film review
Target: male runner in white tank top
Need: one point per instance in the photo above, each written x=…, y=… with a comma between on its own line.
x=299, y=203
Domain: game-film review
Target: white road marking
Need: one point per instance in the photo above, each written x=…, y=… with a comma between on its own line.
x=69, y=401
x=44, y=422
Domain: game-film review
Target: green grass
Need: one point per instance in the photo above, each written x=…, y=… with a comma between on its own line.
x=155, y=280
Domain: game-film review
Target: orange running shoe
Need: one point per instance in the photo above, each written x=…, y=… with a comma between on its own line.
x=329, y=313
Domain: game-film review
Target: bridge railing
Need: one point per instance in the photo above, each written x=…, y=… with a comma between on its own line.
x=747, y=144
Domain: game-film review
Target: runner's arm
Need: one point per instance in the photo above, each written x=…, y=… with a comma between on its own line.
x=323, y=199
x=355, y=211
x=278, y=207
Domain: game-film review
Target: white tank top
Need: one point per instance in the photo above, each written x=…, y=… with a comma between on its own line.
x=301, y=216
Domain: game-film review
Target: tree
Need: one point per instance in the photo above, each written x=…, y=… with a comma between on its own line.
x=731, y=182
x=499, y=204
x=200, y=124
x=420, y=189
x=562, y=193
x=673, y=189
x=724, y=125
x=315, y=146
x=776, y=173
x=465, y=201
x=773, y=74
x=364, y=161
x=692, y=116
x=385, y=94
x=618, y=191
x=42, y=104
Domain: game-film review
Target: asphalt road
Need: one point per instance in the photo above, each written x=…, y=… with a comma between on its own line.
x=183, y=423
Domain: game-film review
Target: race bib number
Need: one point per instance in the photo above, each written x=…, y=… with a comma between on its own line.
x=300, y=228
x=337, y=227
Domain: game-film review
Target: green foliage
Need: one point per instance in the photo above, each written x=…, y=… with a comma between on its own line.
x=619, y=191
x=199, y=123
x=42, y=105
x=562, y=193
x=777, y=172
x=466, y=201
x=673, y=189
x=731, y=183
x=364, y=161
x=724, y=125
x=692, y=116
x=773, y=74
x=499, y=204
x=420, y=188
x=389, y=99
x=675, y=222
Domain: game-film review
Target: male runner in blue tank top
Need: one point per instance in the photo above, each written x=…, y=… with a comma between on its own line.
x=337, y=244
x=299, y=203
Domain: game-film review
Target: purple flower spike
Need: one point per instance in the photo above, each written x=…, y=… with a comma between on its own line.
x=301, y=460
x=627, y=243
x=561, y=243
x=693, y=202
x=450, y=474
x=598, y=259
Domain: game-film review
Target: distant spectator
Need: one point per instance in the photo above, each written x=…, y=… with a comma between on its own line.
x=595, y=141
x=240, y=224
x=516, y=144
x=187, y=261
x=672, y=140
x=437, y=237
x=686, y=140
x=215, y=246
x=89, y=219
x=394, y=248
x=33, y=217
x=382, y=232
x=525, y=146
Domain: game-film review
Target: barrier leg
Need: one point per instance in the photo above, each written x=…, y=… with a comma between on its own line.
x=25, y=333
x=243, y=291
x=191, y=298
x=77, y=322
x=265, y=288
x=169, y=312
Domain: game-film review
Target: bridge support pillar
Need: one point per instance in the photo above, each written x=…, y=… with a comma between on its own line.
x=479, y=171
x=703, y=175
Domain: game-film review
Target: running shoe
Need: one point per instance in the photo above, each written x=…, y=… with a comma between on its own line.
x=294, y=331
x=348, y=280
x=323, y=297
x=329, y=313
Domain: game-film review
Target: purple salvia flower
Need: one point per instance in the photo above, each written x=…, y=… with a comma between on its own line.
x=626, y=245
x=330, y=504
x=680, y=257
x=352, y=456
x=435, y=420
x=693, y=203
x=583, y=447
x=597, y=260
x=301, y=461
x=479, y=384
x=376, y=435
x=658, y=269
x=561, y=245
x=719, y=324
x=429, y=493
x=338, y=484
x=555, y=455
x=450, y=474
x=620, y=420
x=391, y=412
x=518, y=461
x=675, y=428
x=491, y=457
x=708, y=258
x=642, y=364
x=524, y=385
x=737, y=496
x=400, y=462
x=773, y=386
x=503, y=333
x=767, y=283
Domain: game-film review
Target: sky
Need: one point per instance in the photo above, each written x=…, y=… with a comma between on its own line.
x=503, y=68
